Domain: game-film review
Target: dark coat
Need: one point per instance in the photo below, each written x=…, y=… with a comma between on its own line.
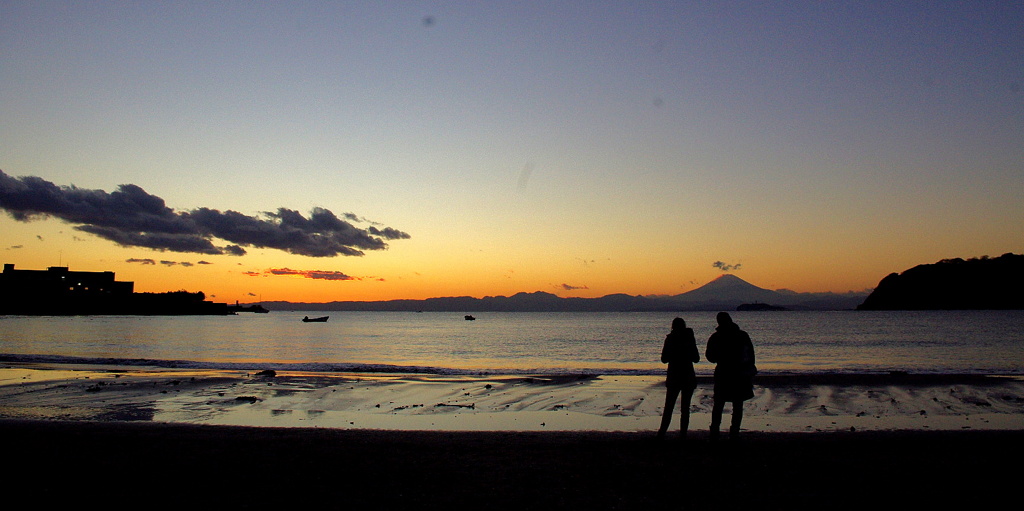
x=680, y=353
x=730, y=348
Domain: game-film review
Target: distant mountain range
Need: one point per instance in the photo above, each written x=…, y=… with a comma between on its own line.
x=727, y=292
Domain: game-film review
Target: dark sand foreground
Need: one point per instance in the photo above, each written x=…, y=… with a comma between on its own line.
x=117, y=465
x=168, y=439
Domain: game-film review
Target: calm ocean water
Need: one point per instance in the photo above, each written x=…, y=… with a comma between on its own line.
x=589, y=342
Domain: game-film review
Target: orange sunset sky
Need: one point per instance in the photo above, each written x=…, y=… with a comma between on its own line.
x=478, y=148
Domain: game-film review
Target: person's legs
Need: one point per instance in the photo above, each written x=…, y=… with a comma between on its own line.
x=670, y=404
x=737, y=418
x=684, y=410
x=716, y=417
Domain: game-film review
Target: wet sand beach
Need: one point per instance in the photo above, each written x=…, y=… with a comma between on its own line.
x=171, y=438
x=782, y=403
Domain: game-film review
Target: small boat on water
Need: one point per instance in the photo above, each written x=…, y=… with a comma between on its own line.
x=321, y=319
x=470, y=318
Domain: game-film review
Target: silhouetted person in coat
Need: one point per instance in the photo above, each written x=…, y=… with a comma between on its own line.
x=730, y=348
x=680, y=353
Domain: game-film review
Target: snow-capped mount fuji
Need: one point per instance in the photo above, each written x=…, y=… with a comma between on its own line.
x=729, y=291
x=732, y=290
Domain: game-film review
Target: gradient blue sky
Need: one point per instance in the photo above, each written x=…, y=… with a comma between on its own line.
x=581, y=148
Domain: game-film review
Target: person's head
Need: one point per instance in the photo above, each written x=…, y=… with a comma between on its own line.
x=678, y=324
x=724, y=318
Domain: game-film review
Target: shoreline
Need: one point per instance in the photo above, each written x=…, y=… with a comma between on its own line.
x=796, y=403
x=704, y=372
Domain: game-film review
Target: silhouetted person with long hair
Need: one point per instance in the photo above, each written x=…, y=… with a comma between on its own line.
x=680, y=353
x=730, y=348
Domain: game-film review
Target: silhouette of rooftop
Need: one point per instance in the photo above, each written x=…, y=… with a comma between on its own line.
x=59, y=291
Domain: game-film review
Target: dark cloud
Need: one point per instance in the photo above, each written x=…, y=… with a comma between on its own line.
x=726, y=267
x=388, y=233
x=234, y=250
x=163, y=262
x=309, y=274
x=130, y=216
x=155, y=240
x=567, y=287
x=356, y=218
x=177, y=263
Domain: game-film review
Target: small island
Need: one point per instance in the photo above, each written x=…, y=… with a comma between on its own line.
x=256, y=308
x=760, y=307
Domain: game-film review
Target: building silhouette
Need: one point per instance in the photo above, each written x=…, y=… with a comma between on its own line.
x=59, y=291
x=59, y=281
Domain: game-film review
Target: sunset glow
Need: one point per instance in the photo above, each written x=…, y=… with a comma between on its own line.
x=480, y=149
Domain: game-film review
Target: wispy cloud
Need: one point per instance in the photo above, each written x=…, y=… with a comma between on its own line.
x=726, y=267
x=567, y=287
x=524, y=176
x=176, y=263
x=309, y=274
x=163, y=262
x=130, y=216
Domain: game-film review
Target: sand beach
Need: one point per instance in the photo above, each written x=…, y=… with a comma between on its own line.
x=782, y=403
x=179, y=437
